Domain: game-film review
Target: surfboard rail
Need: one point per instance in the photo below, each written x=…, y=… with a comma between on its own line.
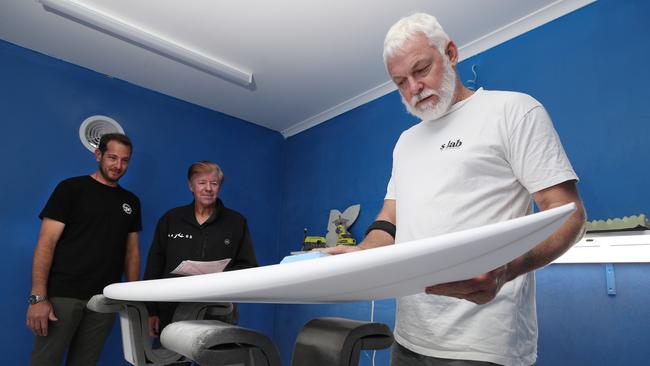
x=373, y=274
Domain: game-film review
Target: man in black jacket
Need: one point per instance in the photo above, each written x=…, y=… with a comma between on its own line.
x=204, y=230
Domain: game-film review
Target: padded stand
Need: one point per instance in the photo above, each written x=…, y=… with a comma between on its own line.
x=338, y=341
x=322, y=341
x=134, y=321
x=214, y=343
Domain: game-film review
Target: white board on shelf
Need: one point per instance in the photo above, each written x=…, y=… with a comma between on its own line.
x=610, y=247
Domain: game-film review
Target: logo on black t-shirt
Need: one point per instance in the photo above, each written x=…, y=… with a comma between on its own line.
x=451, y=144
x=127, y=209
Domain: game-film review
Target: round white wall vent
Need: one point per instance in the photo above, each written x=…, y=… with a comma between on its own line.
x=92, y=129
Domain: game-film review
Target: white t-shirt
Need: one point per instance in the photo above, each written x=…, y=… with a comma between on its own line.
x=477, y=165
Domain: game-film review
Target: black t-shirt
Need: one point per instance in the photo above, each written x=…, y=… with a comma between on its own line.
x=91, y=250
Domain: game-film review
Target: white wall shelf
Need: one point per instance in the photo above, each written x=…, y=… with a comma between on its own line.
x=610, y=247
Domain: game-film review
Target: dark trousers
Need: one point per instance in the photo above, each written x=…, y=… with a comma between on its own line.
x=401, y=356
x=79, y=331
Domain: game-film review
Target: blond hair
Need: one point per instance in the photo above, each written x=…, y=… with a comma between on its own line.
x=205, y=166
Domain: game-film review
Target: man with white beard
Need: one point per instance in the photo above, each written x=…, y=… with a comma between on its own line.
x=476, y=158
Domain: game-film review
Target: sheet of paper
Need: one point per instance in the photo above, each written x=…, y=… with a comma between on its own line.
x=190, y=268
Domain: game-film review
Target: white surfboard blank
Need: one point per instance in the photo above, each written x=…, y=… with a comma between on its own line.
x=380, y=273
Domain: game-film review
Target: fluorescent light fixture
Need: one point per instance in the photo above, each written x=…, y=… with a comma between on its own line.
x=144, y=39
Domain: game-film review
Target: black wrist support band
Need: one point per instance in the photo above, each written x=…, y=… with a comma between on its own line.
x=382, y=225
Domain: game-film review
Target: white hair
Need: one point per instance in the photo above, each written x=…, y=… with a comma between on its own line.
x=407, y=27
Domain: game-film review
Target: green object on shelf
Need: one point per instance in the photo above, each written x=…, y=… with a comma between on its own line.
x=627, y=223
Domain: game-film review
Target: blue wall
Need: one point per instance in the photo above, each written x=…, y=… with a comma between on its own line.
x=43, y=102
x=589, y=68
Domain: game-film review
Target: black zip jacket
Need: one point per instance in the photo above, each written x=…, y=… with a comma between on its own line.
x=179, y=237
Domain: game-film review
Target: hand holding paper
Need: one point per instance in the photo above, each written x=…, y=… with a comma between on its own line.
x=190, y=268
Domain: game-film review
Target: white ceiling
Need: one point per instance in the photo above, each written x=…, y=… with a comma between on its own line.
x=311, y=60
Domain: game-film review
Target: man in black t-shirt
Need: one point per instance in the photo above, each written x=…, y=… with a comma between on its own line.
x=88, y=238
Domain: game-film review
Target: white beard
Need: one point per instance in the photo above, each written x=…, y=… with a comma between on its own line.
x=434, y=110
